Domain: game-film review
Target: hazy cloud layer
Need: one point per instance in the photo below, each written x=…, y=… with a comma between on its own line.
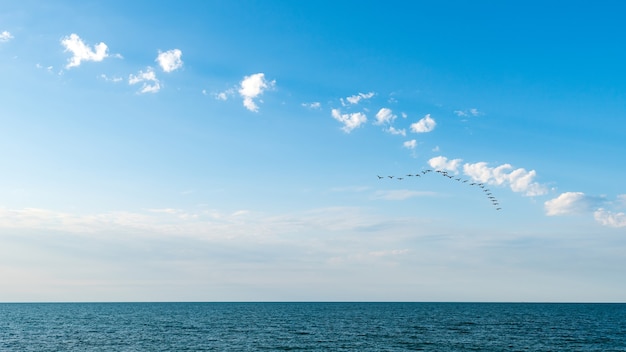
x=82, y=52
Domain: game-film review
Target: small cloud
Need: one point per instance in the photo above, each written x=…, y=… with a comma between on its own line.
x=252, y=87
x=393, y=130
x=349, y=121
x=467, y=112
x=148, y=79
x=355, y=99
x=224, y=95
x=111, y=79
x=81, y=52
x=314, y=105
x=170, y=60
x=5, y=36
x=608, y=218
x=412, y=144
x=404, y=115
x=384, y=116
x=426, y=124
x=442, y=163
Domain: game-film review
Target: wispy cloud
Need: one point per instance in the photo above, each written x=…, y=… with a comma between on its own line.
x=412, y=144
x=149, y=82
x=225, y=94
x=5, y=36
x=424, y=125
x=609, y=218
x=82, y=52
x=170, y=60
x=349, y=121
x=355, y=99
x=252, y=87
x=467, y=112
x=114, y=79
x=314, y=105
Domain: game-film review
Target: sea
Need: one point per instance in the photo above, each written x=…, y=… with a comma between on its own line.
x=299, y=326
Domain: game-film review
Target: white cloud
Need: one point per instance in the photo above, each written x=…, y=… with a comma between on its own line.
x=424, y=125
x=393, y=130
x=350, y=121
x=170, y=60
x=383, y=116
x=442, y=163
x=5, y=36
x=570, y=203
x=467, y=112
x=150, y=83
x=412, y=144
x=355, y=99
x=252, y=87
x=82, y=52
x=608, y=218
x=313, y=105
x=225, y=94
x=111, y=79
x=519, y=180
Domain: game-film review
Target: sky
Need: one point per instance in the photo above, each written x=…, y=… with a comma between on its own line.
x=268, y=151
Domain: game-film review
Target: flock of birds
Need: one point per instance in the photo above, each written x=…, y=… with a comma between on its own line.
x=443, y=173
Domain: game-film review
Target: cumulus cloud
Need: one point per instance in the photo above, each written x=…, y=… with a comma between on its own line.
x=426, y=124
x=349, y=121
x=252, y=87
x=569, y=203
x=82, y=52
x=355, y=99
x=442, y=163
x=412, y=144
x=5, y=36
x=149, y=81
x=170, y=60
x=519, y=180
x=383, y=116
x=608, y=218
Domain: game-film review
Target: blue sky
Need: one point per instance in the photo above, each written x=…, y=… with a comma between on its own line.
x=230, y=151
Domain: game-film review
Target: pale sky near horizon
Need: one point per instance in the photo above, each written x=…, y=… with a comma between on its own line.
x=230, y=151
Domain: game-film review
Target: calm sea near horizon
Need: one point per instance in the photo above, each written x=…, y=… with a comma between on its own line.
x=312, y=327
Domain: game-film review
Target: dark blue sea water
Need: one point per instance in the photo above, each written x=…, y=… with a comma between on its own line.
x=312, y=327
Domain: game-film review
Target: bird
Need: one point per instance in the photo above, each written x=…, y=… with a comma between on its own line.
x=399, y=178
x=390, y=176
x=379, y=177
